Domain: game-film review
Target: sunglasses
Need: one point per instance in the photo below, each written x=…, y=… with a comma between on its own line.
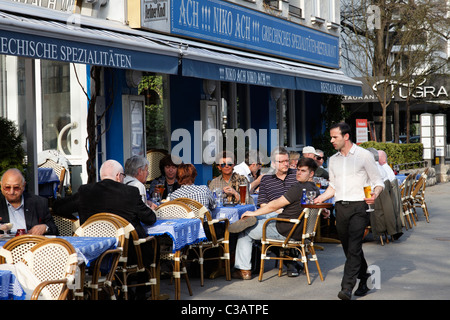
x=320, y=158
x=226, y=164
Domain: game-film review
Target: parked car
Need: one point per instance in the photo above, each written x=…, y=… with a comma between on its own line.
x=412, y=139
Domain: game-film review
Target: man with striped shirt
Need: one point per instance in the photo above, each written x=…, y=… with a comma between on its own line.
x=272, y=187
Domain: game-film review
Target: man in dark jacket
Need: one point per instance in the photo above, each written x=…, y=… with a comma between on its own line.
x=111, y=195
x=108, y=195
x=23, y=210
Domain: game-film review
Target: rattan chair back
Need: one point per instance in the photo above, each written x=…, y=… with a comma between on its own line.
x=53, y=262
x=14, y=249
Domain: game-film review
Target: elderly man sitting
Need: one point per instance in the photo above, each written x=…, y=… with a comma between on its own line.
x=23, y=210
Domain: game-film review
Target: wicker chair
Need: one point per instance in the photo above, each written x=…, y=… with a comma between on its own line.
x=66, y=226
x=175, y=210
x=124, y=269
x=406, y=189
x=53, y=262
x=305, y=246
x=102, y=226
x=417, y=199
x=154, y=156
x=14, y=249
x=222, y=243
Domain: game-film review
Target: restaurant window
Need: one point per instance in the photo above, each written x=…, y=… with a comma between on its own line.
x=157, y=113
x=56, y=111
x=12, y=91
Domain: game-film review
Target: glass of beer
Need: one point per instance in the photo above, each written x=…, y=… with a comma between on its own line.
x=367, y=194
x=242, y=192
x=160, y=188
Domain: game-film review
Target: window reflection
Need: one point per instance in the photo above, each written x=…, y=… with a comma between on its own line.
x=55, y=89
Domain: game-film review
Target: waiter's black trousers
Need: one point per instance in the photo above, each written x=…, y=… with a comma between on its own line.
x=351, y=221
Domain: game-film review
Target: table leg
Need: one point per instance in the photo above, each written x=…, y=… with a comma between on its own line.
x=319, y=237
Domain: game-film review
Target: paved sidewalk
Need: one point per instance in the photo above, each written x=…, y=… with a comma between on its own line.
x=415, y=267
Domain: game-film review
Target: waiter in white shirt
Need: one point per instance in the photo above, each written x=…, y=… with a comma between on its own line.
x=350, y=169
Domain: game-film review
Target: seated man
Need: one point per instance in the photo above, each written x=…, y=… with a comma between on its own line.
x=290, y=201
x=228, y=181
x=111, y=195
x=24, y=210
x=136, y=172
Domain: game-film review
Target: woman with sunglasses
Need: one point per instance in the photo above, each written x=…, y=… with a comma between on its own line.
x=228, y=181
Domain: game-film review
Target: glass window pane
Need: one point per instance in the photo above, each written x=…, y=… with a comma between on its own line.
x=55, y=89
x=156, y=111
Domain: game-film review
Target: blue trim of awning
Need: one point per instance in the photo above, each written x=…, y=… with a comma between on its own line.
x=49, y=48
x=213, y=71
x=222, y=72
x=320, y=86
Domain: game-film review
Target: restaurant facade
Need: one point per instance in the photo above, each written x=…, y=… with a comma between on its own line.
x=175, y=75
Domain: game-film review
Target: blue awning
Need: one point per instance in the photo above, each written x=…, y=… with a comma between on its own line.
x=56, y=40
x=258, y=70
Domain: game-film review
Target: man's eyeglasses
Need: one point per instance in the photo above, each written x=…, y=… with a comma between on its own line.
x=122, y=174
x=320, y=158
x=12, y=188
x=226, y=164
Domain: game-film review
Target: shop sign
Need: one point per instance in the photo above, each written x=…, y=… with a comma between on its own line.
x=361, y=131
x=228, y=24
x=430, y=89
x=60, y=5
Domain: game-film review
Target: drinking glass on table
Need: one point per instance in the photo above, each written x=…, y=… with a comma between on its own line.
x=367, y=194
x=311, y=195
x=218, y=197
x=156, y=198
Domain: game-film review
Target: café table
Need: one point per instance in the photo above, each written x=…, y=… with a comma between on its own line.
x=88, y=249
x=48, y=182
x=182, y=232
x=319, y=237
x=400, y=178
x=10, y=288
x=233, y=213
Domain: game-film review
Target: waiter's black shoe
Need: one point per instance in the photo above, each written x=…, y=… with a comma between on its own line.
x=362, y=290
x=345, y=294
x=362, y=287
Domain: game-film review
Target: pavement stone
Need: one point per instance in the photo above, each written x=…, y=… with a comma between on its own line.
x=414, y=267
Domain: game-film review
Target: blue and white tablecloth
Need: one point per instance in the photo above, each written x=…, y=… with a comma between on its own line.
x=400, y=178
x=183, y=232
x=48, y=182
x=232, y=213
x=90, y=248
x=10, y=288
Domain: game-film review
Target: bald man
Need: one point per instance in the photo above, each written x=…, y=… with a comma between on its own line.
x=113, y=196
x=24, y=210
x=108, y=195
